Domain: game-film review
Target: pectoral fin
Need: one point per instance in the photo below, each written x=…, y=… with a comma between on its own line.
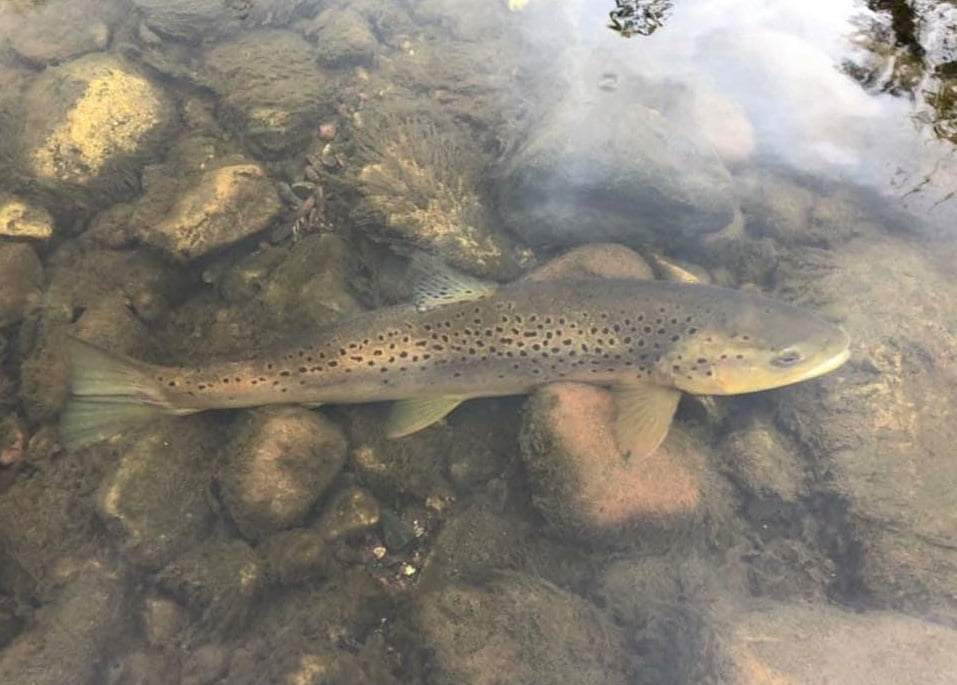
x=411, y=415
x=644, y=414
x=437, y=284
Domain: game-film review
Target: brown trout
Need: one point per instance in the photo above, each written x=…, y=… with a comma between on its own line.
x=648, y=341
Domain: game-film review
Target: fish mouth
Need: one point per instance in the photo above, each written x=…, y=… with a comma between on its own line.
x=834, y=361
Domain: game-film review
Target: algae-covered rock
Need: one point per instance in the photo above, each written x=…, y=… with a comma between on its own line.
x=204, y=665
x=63, y=29
x=768, y=643
x=299, y=286
x=349, y=512
x=764, y=462
x=47, y=526
x=93, y=292
x=162, y=619
x=295, y=556
x=71, y=636
x=301, y=633
x=20, y=218
x=343, y=38
x=517, y=628
x=90, y=123
x=880, y=431
x=796, y=214
x=20, y=279
x=155, y=500
x=279, y=462
x=604, y=170
x=217, y=581
x=226, y=205
x=270, y=89
x=655, y=598
x=204, y=20
x=583, y=484
x=420, y=180
x=413, y=465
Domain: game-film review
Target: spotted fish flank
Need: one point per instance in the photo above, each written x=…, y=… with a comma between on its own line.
x=464, y=338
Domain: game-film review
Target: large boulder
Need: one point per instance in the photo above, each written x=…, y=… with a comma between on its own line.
x=882, y=430
x=604, y=169
x=517, y=628
x=90, y=123
x=270, y=89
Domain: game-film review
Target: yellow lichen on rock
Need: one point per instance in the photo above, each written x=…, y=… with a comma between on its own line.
x=89, y=114
x=112, y=99
x=226, y=205
x=20, y=219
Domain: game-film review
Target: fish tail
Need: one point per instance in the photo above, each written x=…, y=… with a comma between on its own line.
x=108, y=394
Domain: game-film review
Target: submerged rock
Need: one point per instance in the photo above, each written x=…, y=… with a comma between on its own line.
x=349, y=512
x=302, y=636
x=63, y=29
x=205, y=20
x=583, y=484
x=270, y=89
x=295, y=556
x=518, y=628
x=824, y=644
x=20, y=279
x=20, y=218
x=226, y=205
x=91, y=123
x=880, y=428
x=279, y=463
x=343, y=38
x=92, y=292
x=413, y=465
x=217, y=581
x=420, y=183
x=155, y=500
x=599, y=260
x=47, y=526
x=71, y=636
x=603, y=170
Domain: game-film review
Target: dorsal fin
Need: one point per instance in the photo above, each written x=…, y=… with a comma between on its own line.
x=438, y=284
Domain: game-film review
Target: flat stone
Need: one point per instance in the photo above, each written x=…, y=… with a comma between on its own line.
x=226, y=205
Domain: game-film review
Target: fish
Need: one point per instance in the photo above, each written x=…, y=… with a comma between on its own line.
x=462, y=338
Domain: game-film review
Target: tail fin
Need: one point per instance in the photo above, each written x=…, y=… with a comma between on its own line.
x=108, y=394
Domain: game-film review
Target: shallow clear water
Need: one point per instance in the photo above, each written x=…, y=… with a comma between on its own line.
x=183, y=182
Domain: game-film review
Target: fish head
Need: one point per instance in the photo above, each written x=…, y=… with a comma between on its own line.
x=747, y=343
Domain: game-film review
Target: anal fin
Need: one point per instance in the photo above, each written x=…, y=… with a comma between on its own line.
x=416, y=413
x=643, y=417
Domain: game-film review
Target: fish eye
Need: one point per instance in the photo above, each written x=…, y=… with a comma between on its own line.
x=788, y=357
